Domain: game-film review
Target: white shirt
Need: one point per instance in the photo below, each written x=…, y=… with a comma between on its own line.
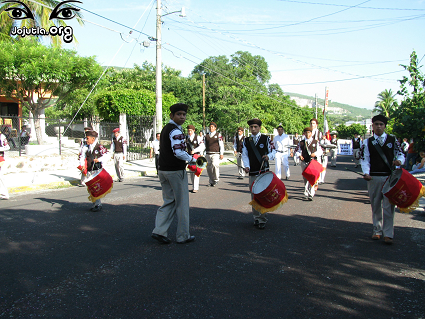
x=282, y=143
x=178, y=138
x=318, y=153
x=220, y=141
x=155, y=146
x=90, y=148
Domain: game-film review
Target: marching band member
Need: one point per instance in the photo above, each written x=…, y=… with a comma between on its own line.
x=119, y=149
x=357, y=144
x=173, y=178
x=237, y=149
x=334, y=151
x=379, y=153
x=281, y=144
x=324, y=158
x=214, y=148
x=95, y=154
x=308, y=149
x=83, y=143
x=4, y=146
x=257, y=151
x=296, y=139
x=195, y=145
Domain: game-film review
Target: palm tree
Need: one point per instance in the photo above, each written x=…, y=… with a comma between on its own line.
x=41, y=13
x=386, y=104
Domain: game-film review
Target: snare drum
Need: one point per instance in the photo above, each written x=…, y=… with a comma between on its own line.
x=269, y=193
x=403, y=190
x=312, y=172
x=99, y=183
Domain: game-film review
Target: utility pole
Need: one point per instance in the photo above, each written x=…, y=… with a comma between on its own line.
x=158, y=90
x=315, y=103
x=203, y=100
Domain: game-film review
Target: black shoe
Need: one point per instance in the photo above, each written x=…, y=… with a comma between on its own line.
x=190, y=239
x=287, y=178
x=310, y=198
x=161, y=239
x=96, y=208
x=240, y=177
x=261, y=225
x=121, y=180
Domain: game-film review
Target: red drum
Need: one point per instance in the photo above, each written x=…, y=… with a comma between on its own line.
x=312, y=171
x=403, y=190
x=99, y=184
x=269, y=193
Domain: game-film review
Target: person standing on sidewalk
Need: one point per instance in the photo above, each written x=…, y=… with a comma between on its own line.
x=173, y=177
x=257, y=151
x=379, y=154
x=93, y=155
x=4, y=146
x=119, y=149
x=237, y=149
x=214, y=148
x=282, y=145
x=195, y=145
x=155, y=150
x=357, y=144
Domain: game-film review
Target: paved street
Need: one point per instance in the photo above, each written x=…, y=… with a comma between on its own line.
x=313, y=260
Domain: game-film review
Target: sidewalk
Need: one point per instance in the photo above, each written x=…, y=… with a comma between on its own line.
x=28, y=182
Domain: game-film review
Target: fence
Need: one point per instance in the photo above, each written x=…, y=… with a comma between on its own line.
x=140, y=136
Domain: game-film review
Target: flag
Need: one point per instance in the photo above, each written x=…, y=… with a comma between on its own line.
x=325, y=120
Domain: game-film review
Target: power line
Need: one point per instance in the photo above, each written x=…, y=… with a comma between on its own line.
x=342, y=5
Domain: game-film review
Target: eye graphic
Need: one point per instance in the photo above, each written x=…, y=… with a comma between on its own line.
x=65, y=13
x=19, y=13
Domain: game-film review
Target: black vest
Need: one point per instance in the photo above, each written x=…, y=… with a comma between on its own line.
x=167, y=160
x=356, y=144
x=192, y=145
x=377, y=165
x=118, y=144
x=334, y=142
x=262, y=147
x=311, y=148
x=90, y=156
x=239, y=143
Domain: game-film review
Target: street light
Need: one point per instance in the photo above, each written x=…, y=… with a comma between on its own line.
x=158, y=90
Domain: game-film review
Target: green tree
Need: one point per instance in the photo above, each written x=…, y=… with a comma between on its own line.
x=409, y=118
x=41, y=11
x=387, y=104
x=40, y=77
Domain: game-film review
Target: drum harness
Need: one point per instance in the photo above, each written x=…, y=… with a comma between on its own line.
x=257, y=155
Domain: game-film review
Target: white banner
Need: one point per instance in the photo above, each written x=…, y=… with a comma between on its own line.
x=345, y=147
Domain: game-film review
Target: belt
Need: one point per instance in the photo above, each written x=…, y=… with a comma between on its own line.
x=213, y=153
x=281, y=151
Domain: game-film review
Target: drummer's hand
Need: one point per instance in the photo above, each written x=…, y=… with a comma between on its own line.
x=96, y=160
x=236, y=153
x=221, y=157
x=313, y=154
x=246, y=169
x=301, y=157
x=367, y=177
x=265, y=157
x=397, y=163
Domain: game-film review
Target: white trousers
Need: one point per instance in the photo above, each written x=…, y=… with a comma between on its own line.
x=309, y=190
x=281, y=159
x=194, y=180
x=356, y=154
x=334, y=153
x=262, y=218
x=382, y=210
x=241, y=171
x=213, y=167
x=324, y=165
x=119, y=165
x=4, y=194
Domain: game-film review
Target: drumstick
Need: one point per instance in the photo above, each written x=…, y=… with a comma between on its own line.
x=361, y=174
x=235, y=163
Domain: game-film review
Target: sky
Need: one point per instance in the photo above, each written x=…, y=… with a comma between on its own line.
x=354, y=48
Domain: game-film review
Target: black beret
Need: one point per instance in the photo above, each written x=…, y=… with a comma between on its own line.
x=255, y=121
x=92, y=133
x=178, y=107
x=191, y=127
x=308, y=129
x=280, y=126
x=381, y=118
x=212, y=123
x=240, y=128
